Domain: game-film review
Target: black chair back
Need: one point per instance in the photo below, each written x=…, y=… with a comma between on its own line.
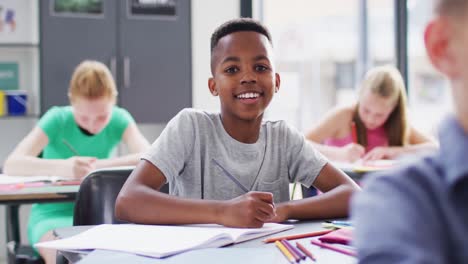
x=95, y=200
x=96, y=197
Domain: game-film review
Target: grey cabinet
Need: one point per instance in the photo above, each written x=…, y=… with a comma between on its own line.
x=146, y=46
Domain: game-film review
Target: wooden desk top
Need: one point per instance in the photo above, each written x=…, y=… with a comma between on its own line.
x=47, y=193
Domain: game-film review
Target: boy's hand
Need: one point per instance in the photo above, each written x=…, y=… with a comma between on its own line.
x=352, y=152
x=282, y=213
x=79, y=167
x=252, y=209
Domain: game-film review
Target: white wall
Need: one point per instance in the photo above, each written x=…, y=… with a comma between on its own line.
x=12, y=130
x=206, y=16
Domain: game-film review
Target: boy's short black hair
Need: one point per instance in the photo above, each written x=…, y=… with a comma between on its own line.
x=236, y=25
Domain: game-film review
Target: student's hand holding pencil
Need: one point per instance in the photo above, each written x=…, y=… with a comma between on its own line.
x=378, y=153
x=79, y=167
x=352, y=152
x=252, y=209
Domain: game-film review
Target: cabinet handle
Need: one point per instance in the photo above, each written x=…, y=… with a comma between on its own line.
x=126, y=72
x=113, y=67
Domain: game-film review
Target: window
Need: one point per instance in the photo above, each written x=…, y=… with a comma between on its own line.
x=429, y=94
x=318, y=45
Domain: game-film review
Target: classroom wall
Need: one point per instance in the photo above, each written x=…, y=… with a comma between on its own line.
x=204, y=20
x=12, y=131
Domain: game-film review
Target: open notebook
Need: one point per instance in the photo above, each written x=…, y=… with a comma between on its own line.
x=159, y=241
x=7, y=179
x=14, y=183
x=368, y=166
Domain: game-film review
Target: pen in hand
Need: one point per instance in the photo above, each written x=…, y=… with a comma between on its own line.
x=81, y=166
x=70, y=147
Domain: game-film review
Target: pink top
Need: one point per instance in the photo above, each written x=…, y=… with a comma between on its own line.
x=375, y=138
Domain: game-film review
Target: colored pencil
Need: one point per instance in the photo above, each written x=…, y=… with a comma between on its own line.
x=292, y=237
x=334, y=248
x=305, y=251
x=298, y=252
x=284, y=251
x=293, y=252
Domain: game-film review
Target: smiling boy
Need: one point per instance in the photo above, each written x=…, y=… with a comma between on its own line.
x=231, y=168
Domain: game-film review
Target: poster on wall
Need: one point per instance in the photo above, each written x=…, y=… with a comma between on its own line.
x=86, y=8
x=19, y=21
x=153, y=8
x=9, y=76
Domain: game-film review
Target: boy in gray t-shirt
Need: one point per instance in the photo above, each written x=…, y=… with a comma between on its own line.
x=231, y=168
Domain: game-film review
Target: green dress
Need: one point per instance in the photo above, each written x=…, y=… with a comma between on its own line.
x=59, y=125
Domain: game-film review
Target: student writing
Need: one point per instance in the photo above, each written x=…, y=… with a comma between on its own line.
x=92, y=126
x=264, y=157
x=380, y=121
x=418, y=214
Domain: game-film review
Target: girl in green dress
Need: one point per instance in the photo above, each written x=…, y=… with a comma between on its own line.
x=74, y=140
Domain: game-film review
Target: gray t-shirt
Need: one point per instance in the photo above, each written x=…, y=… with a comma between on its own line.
x=185, y=151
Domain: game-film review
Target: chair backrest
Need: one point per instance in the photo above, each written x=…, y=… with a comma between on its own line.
x=96, y=197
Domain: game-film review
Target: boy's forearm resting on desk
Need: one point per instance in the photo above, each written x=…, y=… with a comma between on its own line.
x=141, y=188
x=249, y=210
x=333, y=204
x=337, y=189
x=161, y=208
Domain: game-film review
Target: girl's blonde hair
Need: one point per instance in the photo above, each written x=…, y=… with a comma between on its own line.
x=91, y=80
x=386, y=81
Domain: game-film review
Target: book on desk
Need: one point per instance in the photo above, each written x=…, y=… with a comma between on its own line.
x=10, y=183
x=159, y=240
x=361, y=166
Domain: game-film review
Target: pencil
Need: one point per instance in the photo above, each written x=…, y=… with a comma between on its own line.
x=334, y=248
x=230, y=176
x=305, y=251
x=292, y=237
x=354, y=132
x=284, y=251
x=70, y=147
x=296, y=253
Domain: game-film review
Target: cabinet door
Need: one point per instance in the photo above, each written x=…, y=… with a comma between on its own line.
x=155, y=43
x=70, y=34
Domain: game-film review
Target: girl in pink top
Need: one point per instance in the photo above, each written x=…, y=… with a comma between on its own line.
x=376, y=127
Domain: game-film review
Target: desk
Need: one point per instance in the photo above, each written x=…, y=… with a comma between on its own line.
x=44, y=194
x=103, y=256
